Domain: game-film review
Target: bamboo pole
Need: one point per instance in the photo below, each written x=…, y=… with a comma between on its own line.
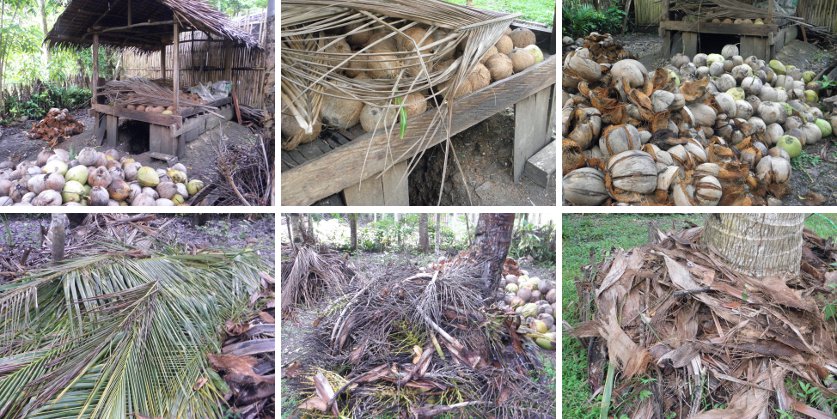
x=176, y=68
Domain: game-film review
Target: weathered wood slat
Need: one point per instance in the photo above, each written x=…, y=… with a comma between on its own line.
x=340, y=169
x=149, y=117
x=542, y=166
x=719, y=28
x=531, y=123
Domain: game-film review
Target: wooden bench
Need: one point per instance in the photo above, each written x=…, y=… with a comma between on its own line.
x=332, y=164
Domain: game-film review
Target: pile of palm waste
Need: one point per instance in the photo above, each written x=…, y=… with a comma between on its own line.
x=675, y=330
x=419, y=344
x=128, y=326
x=309, y=273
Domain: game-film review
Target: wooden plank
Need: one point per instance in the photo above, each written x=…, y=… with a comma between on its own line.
x=168, y=158
x=112, y=131
x=531, y=122
x=690, y=43
x=541, y=167
x=149, y=117
x=339, y=169
x=163, y=62
x=287, y=161
x=719, y=28
x=396, y=185
x=160, y=140
x=369, y=192
x=295, y=156
x=101, y=126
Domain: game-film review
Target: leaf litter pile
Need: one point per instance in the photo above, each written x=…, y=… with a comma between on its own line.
x=418, y=344
x=675, y=330
x=130, y=325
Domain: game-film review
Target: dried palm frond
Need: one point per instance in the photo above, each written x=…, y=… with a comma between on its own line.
x=115, y=335
x=139, y=91
x=310, y=274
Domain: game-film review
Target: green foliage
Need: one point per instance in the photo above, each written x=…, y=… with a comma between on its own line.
x=38, y=104
x=827, y=83
x=541, y=11
x=534, y=241
x=579, y=19
x=811, y=395
x=384, y=234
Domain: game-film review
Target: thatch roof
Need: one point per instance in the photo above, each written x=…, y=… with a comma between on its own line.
x=75, y=27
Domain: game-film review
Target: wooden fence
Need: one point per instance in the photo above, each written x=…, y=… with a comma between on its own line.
x=819, y=13
x=207, y=60
x=648, y=12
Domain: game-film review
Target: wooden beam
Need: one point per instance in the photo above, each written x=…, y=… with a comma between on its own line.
x=339, y=169
x=163, y=61
x=176, y=68
x=137, y=25
x=719, y=28
x=94, y=82
x=149, y=117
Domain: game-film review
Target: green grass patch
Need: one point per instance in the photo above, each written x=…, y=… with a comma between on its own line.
x=604, y=232
x=541, y=11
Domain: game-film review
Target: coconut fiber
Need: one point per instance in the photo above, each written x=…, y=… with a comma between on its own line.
x=687, y=334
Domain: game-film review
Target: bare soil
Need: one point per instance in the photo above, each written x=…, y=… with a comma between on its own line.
x=485, y=152
x=199, y=158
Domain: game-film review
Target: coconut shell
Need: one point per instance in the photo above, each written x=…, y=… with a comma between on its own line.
x=335, y=53
x=377, y=118
x=521, y=60
x=492, y=51
x=480, y=77
x=499, y=66
x=413, y=37
x=383, y=66
x=633, y=171
x=339, y=112
x=504, y=45
x=522, y=37
x=293, y=135
x=415, y=104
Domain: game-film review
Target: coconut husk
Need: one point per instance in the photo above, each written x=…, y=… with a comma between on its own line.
x=56, y=126
x=674, y=319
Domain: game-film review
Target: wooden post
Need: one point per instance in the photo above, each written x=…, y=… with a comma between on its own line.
x=228, y=57
x=163, y=62
x=531, y=122
x=94, y=82
x=129, y=13
x=176, y=69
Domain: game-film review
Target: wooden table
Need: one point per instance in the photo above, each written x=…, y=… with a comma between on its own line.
x=332, y=164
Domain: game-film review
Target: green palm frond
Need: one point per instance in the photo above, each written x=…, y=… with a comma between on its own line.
x=113, y=336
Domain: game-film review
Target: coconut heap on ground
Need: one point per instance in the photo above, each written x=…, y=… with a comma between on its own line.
x=675, y=329
x=716, y=129
x=358, y=64
x=57, y=125
x=531, y=298
x=419, y=344
x=93, y=178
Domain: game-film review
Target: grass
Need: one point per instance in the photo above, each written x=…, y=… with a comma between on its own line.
x=541, y=11
x=603, y=232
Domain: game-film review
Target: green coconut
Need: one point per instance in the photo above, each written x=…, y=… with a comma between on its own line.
x=540, y=326
x=808, y=76
x=737, y=93
x=535, y=51
x=713, y=58
x=511, y=288
x=811, y=96
x=73, y=191
x=77, y=173
x=147, y=176
x=194, y=186
x=529, y=310
x=777, y=67
x=790, y=144
x=547, y=341
x=824, y=127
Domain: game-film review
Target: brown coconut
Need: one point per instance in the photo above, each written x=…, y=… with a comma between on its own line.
x=294, y=134
x=464, y=89
x=359, y=38
x=500, y=66
x=412, y=37
x=383, y=66
x=479, y=77
x=379, y=42
x=340, y=112
x=522, y=37
x=492, y=51
x=334, y=53
x=415, y=104
x=377, y=117
x=504, y=45
x=521, y=60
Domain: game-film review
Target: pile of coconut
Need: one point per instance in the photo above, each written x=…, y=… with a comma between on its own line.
x=533, y=299
x=714, y=129
x=388, y=59
x=93, y=178
x=57, y=125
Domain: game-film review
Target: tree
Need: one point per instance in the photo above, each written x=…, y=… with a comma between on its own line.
x=424, y=244
x=438, y=233
x=353, y=231
x=756, y=244
x=491, y=244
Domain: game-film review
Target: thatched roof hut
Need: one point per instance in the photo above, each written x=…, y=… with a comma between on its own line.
x=140, y=24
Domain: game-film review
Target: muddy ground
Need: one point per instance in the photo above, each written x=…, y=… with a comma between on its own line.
x=22, y=234
x=297, y=328
x=199, y=158
x=485, y=152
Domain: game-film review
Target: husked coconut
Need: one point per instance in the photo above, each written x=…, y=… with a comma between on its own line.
x=479, y=77
x=492, y=51
x=522, y=37
x=358, y=36
x=99, y=177
x=499, y=66
x=291, y=129
x=521, y=60
x=415, y=104
x=338, y=111
x=119, y=190
x=377, y=117
x=504, y=45
x=338, y=51
x=415, y=36
x=47, y=197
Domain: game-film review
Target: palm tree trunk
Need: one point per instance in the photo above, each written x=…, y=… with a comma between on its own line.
x=491, y=243
x=756, y=244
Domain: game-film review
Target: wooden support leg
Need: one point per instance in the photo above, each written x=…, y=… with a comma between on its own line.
x=388, y=189
x=100, y=127
x=112, y=129
x=162, y=140
x=531, y=124
x=690, y=43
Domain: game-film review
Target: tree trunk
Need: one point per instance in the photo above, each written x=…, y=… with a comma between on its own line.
x=353, y=231
x=759, y=245
x=424, y=244
x=309, y=226
x=44, y=49
x=57, y=236
x=468, y=229
x=397, y=219
x=491, y=243
x=438, y=233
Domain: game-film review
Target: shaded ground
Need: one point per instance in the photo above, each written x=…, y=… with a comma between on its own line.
x=296, y=329
x=485, y=152
x=199, y=158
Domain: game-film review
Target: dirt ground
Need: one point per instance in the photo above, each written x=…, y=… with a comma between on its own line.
x=485, y=152
x=21, y=233
x=296, y=329
x=199, y=157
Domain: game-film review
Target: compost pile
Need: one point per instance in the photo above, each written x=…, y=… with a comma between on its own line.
x=379, y=63
x=56, y=126
x=604, y=49
x=419, y=345
x=247, y=168
x=93, y=178
x=247, y=361
x=152, y=96
x=675, y=323
x=311, y=273
x=716, y=129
